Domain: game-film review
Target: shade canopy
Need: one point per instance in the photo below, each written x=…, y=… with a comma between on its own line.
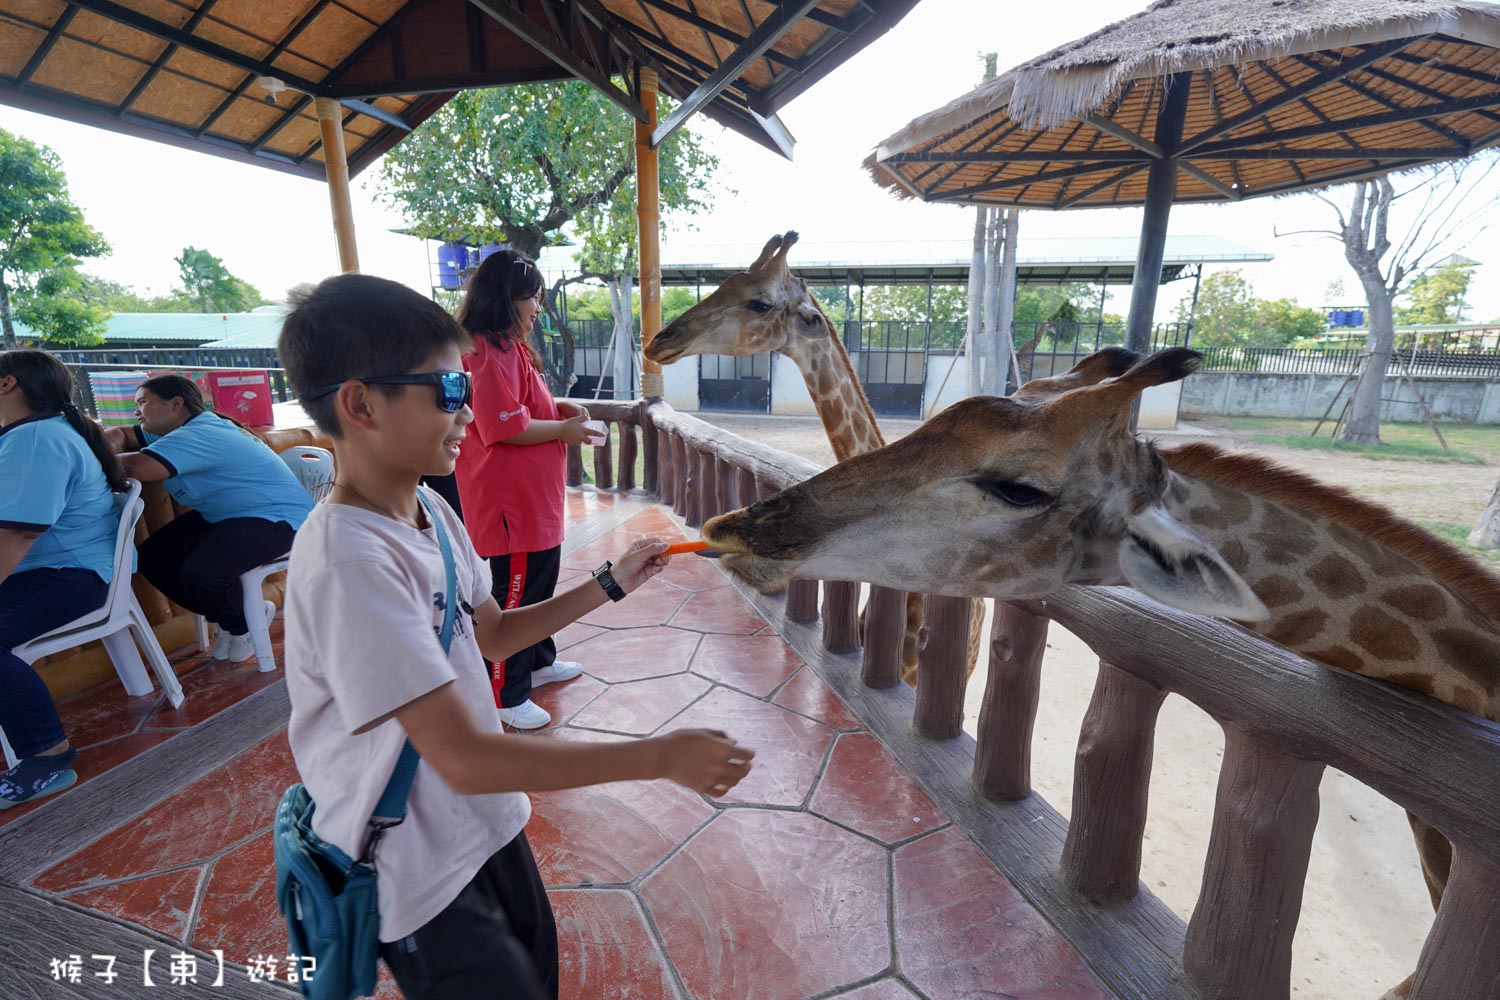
x=189, y=72
x=1257, y=97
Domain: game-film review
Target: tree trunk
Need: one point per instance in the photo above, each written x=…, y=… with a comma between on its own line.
x=1363, y=425
x=1006, y=305
x=1486, y=534
x=5, y=322
x=986, y=352
x=976, y=300
x=622, y=336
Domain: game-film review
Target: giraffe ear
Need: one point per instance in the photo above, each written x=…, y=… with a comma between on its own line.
x=1164, y=560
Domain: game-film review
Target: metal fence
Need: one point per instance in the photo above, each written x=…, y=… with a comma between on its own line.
x=1345, y=361
x=168, y=359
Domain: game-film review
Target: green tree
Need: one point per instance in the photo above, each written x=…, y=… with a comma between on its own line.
x=1278, y=322
x=208, y=287
x=1438, y=296
x=1225, y=315
x=43, y=238
x=115, y=296
x=519, y=164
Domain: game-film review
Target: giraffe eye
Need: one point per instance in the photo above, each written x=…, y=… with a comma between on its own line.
x=758, y=305
x=1012, y=494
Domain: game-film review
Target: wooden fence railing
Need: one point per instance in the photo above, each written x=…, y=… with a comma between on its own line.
x=1285, y=718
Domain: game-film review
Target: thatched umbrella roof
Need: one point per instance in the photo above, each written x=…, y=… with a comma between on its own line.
x=1281, y=95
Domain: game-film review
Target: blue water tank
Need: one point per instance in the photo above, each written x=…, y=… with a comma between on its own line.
x=486, y=250
x=1338, y=317
x=1356, y=317
x=453, y=260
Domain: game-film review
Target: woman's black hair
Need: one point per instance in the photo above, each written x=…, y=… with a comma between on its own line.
x=47, y=386
x=183, y=388
x=489, y=306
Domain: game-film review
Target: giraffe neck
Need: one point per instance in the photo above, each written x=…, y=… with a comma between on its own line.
x=1347, y=597
x=847, y=417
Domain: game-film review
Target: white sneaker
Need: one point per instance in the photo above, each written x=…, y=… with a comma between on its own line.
x=560, y=670
x=527, y=715
x=240, y=648
x=221, y=644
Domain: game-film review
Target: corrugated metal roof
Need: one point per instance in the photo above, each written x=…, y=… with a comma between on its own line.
x=258, y=328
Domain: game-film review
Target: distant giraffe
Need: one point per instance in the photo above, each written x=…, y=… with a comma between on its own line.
x=767, y=308
x=1016, y=497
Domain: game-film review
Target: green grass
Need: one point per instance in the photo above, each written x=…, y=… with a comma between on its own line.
x=1458, y=534
x=1469, y=444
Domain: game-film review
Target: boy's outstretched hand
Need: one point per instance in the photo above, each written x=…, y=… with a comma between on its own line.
x=704, y=760
x=641, y=562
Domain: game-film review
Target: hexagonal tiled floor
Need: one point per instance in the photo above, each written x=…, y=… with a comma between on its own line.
x=827, y=872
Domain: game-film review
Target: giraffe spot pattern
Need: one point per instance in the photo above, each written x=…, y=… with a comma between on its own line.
x=1297, y=629
x=1209, y=517
x=1469, y=700
x=1336, y=656
x=1472, y=654
x=1277, y=592
x=1336, y=577
x=1382, y=635
x=1236, y=507
x=1421, y=601
x=1106, y=463
x=1235, y=555
x=1420, y=683
x=1277, y=548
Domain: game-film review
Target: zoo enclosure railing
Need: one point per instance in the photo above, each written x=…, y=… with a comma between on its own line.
x=1285, y=718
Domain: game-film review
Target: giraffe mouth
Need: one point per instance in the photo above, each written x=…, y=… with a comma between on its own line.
x=767, y=574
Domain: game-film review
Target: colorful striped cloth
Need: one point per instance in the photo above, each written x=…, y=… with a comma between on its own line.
x=114, y=393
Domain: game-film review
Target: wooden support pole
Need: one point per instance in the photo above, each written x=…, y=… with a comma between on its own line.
x=629, y=446
x=1461, y=959
x=692, y=511
x=802, y=600
x=648, y=221
x=1161, y=189
x=1101, y=858
x=840, y=616
x=1002, y=754
x=885, y=631
x=336, y=166
x=1239, y=941
x=942, y=667
x=708, y=488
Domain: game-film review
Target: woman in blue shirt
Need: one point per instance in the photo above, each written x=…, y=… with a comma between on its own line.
x=247, y=505
x=58, y=525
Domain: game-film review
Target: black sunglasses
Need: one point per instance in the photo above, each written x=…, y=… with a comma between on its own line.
x=454, y=389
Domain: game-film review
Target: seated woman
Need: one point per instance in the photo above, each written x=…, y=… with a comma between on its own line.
x=57, y=552
x=247, y=505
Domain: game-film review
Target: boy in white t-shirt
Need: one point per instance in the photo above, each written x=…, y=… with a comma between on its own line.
x=463, y=913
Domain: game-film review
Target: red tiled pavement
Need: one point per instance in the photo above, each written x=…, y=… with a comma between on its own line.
x=606, y=949
x=639, y=708
x=788, y=748
x=964, y=930
x=754, y=664
x=633, y=654
x=658, y=892
x=772, y=904
x=859, y=766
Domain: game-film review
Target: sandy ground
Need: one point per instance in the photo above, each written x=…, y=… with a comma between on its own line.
x=1365, y=909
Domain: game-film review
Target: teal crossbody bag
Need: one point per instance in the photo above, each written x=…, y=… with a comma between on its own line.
x=329, y=899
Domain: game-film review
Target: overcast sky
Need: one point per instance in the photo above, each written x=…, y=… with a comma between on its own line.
x=272, y=229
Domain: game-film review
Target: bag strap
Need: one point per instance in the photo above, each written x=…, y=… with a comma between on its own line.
x=391, y=809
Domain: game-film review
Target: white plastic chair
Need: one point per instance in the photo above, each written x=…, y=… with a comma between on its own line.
x=313, y=468
x=115, y=623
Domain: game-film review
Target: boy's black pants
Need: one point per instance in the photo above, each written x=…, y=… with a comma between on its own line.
x=518, y=580
x=496, y=939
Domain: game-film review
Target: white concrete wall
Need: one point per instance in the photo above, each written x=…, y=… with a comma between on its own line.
x=1159, y=407
x=1265, y=394
x=938, y=396
x=680, y=383
x=789, y=395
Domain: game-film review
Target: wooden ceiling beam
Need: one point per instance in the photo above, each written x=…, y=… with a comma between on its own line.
x=167, y=53
x=1343, y=68
x=514, y=20
x=1013, y=182
x=1094, y=189
x=756, y=44
x=48, y=41
x=718, y=30
x=1023, y=156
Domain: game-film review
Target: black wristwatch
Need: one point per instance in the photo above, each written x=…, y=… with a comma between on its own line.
x=606, y=580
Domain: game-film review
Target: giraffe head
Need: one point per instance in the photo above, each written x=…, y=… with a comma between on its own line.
x=1008, y=497
x=764, y=308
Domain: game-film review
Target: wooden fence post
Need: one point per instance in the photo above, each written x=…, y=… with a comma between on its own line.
x=680, y=473
x=724, y=477
x=942, y=667
x=650, y=452
x=747, y=493
x=1002, y=754
x=708, y=488
x=604, y=473
x=885, y=631
x=1461, y=959
x=802, y=600
x=574, y=475
x=1101, y=858
x=628, y=447
x=840, y=616
x=692, y=512
x=1239, y=941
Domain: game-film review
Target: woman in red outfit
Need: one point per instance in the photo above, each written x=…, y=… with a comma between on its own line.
x=511, y=468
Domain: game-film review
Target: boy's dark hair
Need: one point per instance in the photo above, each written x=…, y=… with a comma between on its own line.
x=359, y=326
x=489, y=306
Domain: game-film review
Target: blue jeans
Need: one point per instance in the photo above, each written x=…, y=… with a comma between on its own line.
x=33, y=603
